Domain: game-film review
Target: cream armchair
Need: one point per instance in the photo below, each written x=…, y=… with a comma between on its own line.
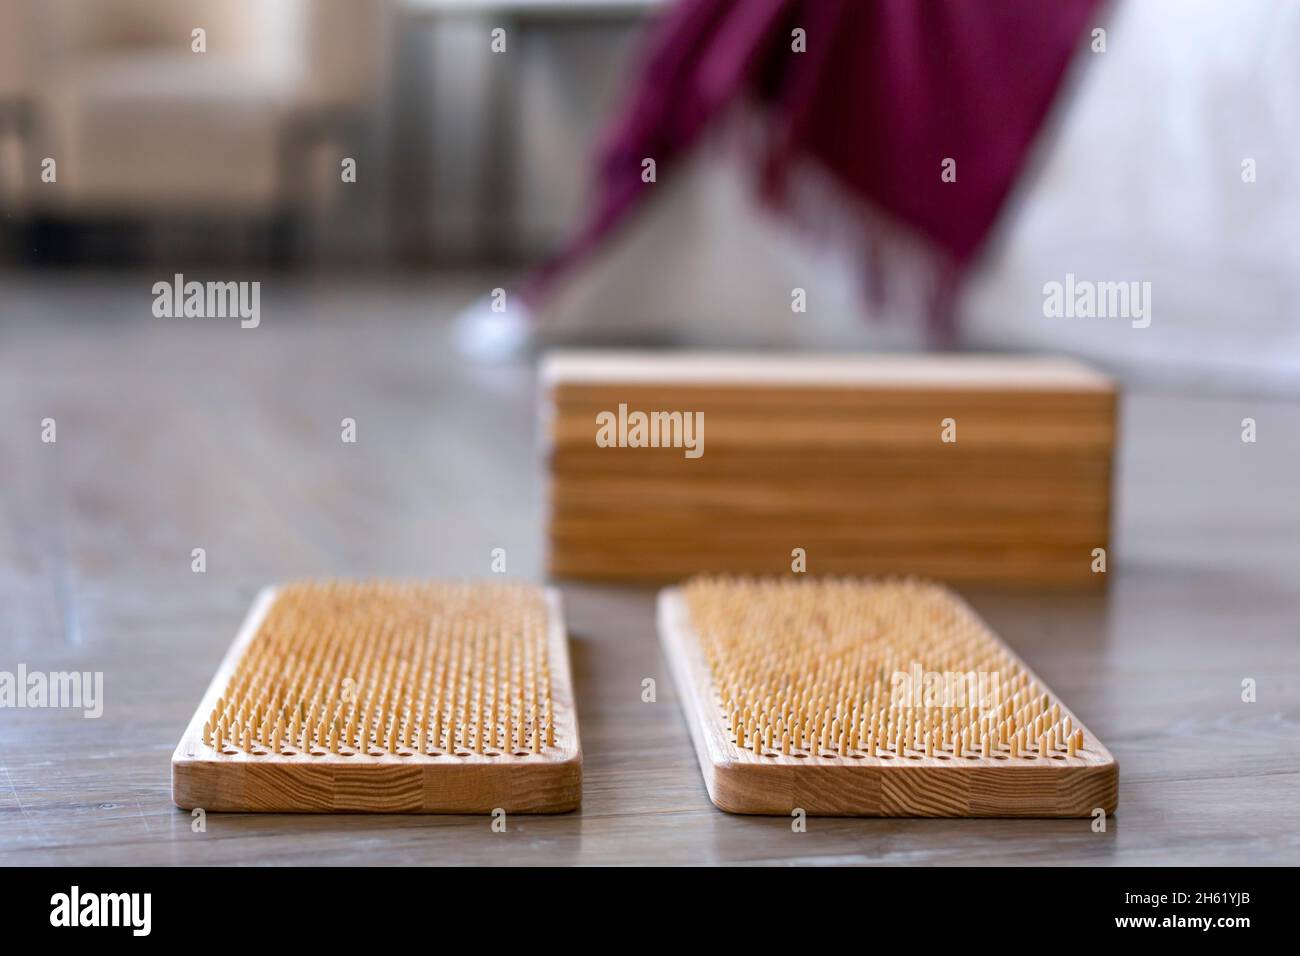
x=17, y=87
x=140, y=124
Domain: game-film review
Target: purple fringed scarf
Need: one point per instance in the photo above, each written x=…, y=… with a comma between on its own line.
x=884, y=93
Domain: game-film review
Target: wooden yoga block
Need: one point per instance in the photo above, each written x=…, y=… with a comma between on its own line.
x=848, y=458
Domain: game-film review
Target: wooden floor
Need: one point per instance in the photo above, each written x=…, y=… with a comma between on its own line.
x=179, y=434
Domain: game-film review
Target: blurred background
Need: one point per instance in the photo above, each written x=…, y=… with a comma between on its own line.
x=472, y=166
x=355, y=433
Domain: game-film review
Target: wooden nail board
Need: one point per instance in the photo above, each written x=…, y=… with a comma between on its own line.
x=389, y=697
x=878, y=748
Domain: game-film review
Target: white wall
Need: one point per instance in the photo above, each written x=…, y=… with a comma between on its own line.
x=1143, y=182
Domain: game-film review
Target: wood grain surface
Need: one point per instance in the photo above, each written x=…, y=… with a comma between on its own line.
x=841, y=456
x=176, y=434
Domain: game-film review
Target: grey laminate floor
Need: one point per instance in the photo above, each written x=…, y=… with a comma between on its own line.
x=178, y=434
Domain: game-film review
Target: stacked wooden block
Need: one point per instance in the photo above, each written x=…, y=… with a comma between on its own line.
x=989, y=469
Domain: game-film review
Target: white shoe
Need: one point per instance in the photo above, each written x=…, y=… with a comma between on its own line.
x=486, y=335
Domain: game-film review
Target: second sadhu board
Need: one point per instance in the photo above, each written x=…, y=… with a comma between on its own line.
x=849, y=697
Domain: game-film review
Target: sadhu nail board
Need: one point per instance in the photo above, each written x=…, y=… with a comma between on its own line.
x=392, y=697
x=965, y=468
x=870, y=698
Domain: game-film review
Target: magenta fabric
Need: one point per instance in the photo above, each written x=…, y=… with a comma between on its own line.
x=884, y=92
